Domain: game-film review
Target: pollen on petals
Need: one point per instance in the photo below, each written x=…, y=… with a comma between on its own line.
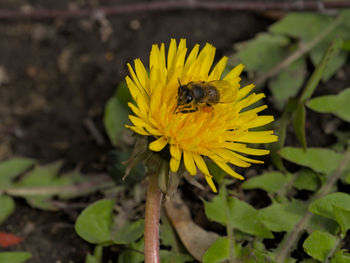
x=218, y=132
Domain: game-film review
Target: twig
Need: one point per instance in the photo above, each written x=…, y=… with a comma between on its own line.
x=90, y=125
x=298, y=53
x=97, y=182
x=326, y=189
x=298, y=5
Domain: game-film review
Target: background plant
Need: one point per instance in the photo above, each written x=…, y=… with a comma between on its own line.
x=293, y=58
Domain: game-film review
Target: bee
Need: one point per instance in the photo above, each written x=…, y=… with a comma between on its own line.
x=200, y=94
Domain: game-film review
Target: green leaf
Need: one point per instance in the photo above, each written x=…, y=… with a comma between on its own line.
x=173, y=257
x=218, y=174
x=335, y=62
x=11, y=168
x=318, y=159
x=218, y=252
x=91, y=259
x=319, y=244
x=282, y=217
x=310, y=260
x=7, y=206
x=316, y=76
x=167, y=234
x=242, y=215
x=318, y=222
x=308, y=26
x=338, y=58
x=134, y=255
x=252, y=255
x=337, y=104
x=307, y=180
x=299, y=124
x=341, y=257
x=95, y=222
x=96, y=257
x=129, y=232
x=303, y=25
x=346, y=45
x=41, y=176
x=288, y=82
x=324, y=205
x=342, y=217
x=114, y=119
x=14, y=257
x=347, y=178
x=270, y=182
x=123, y=94
x=263, y=52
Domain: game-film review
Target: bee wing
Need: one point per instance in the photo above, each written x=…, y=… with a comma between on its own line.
x=226, y=90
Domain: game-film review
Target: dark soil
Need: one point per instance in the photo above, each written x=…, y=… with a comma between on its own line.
x=59, y=75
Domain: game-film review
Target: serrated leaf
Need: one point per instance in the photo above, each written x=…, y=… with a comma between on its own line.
x=114, y=119
x=129, y=232
x=336, y=104
x=308, y=26
x=307, y=180
x=14, y=257
x=319, y=244
x=95, y=222
x=318, y=159
x=270, y=181
x=342, y=217
x=299, y=124
x=288, y=82
x=263, y=52
x=324, y=205
x=242, y=215
x=11, y=168
x=7, y=206
x=41, y=176
x=216, y=209
x=282, y=217
x=173, y=257
x=218, y=252
x=303, y=25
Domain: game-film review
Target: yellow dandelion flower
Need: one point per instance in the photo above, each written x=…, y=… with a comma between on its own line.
x=219, y=134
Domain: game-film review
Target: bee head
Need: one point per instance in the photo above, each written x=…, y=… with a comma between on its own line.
x=184, y=96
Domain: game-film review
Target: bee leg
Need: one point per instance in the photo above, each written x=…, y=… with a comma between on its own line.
x=182, y=109
x=189, y=111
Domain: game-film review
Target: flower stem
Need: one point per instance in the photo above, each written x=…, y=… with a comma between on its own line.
x=152, y=214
